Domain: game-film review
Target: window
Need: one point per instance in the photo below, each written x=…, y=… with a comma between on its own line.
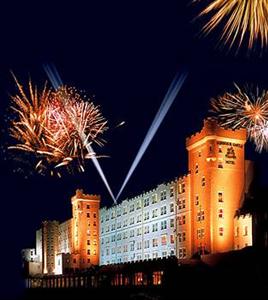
x=125, y=223
x=125, y=235
x=199, y=153
x=220, y=197
x=163, y=225
x=172, y=239
x=113, y=214
x=154, y=213
x=182, y=253
x=181, y=203
x=139, y=246
x=131, y=233
x=131, y=221
x=88, y=242
x=220, y=213
x=132, y=246
x=203, y=182
x=196, y=168
x=163, y=195
x=139, y=231
x=155, y=227
x=163, y=240
x=196, y=200
x=119, y=237
x=94, y=242
x=146, y=244
x=200, y=233
x=131, y=208
x=245, y=230
x=146, y=202
x=138, y=204
x=95, y=215
x=88, y=215
x=155, y=255
x=163, y=210
x=88, y=206
x=182, y=220
x=113, y=250
x=146, y=229
x=107, y=228
x=220, y=149
x=155, y=243
x=236, y=231
x=125, y=248
x=125, y=210
x=139, y=217
x=118, y=225
x=220, y=165
x=200, y=216
x=107, y=217
x=154, y=199
x=146, y=215
x=107, y=240
x=94, y=223
x=171, y=223
x=171, y=192
x=113, y=238
x=221, y=231
x=118, y=212
x=171, y=207
x=88, y=251
x=113, y=227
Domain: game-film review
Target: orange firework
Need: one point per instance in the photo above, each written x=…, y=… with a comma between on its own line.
x=57, y=127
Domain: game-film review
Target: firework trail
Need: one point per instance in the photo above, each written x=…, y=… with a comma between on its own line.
x=243, y=109
x=242, y=19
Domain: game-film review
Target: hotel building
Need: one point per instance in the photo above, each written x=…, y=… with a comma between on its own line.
x=197, y=213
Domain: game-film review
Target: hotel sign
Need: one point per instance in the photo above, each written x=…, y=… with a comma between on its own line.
x=230, y=144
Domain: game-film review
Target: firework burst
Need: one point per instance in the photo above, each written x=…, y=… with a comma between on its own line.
x=243, y=109
x=242, y=19
x=56, y=127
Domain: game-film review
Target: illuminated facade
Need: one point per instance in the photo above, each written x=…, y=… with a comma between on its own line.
x=210, y=195
x=140, y=228
x=197, y=213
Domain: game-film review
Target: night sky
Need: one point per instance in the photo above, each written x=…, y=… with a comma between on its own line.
x=126, y=53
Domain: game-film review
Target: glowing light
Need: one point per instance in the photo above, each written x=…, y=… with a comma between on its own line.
x=165, y=105
x=242, y=19
x=247, y=110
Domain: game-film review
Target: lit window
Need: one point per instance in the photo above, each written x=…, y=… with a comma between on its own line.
x=154, y=199
x=200, y=215
x=221, y=231
x=163, y=240
x=200, y=233
x=181, y=204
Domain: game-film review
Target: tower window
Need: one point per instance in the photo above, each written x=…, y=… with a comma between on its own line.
x=88, y=215
x=196, y=169
x=88, y=206
x=88, y=242
x=220, y=149
x=220, y=213
x=220, y=165
x=203, y=182
x=199, y=153
x=197, y=200
x=220, y=197
x=221, y=231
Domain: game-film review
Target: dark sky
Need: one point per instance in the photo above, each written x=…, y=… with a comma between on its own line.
x=125, y=53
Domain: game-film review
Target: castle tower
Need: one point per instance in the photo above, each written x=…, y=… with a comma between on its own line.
x=85, y=246
x=217, y=178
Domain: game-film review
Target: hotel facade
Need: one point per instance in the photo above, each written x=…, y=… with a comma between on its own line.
x=197, y=213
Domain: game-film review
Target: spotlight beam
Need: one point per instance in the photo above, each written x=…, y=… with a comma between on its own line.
x=163, y=109
x=56, y=82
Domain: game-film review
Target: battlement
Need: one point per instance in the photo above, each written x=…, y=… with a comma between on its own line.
x=79, y=194
x=212, y=128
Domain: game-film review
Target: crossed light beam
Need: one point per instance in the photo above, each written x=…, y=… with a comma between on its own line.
x=56, y=82
x=163, y=109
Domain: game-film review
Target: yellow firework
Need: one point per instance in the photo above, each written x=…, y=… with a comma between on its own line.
x=242, y=20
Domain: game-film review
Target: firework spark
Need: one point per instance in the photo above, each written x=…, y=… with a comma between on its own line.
x=242, y=19
x=57, y=127
x=243, y=109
